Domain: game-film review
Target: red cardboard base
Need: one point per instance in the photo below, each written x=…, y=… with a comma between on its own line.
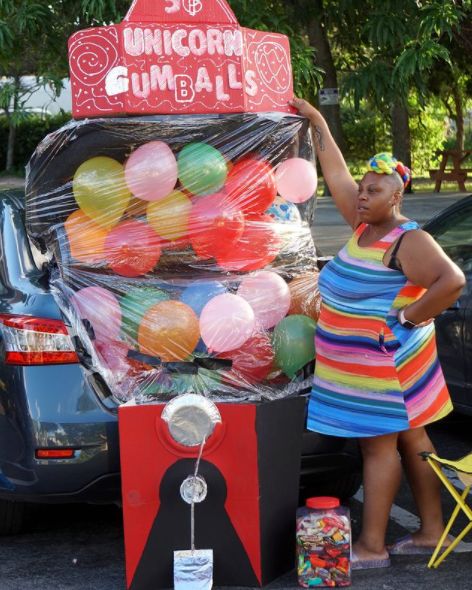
x=251, y=465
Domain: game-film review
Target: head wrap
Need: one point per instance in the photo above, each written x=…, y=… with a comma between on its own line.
x=385, y=163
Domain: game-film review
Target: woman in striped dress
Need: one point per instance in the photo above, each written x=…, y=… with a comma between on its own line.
x=377, y=375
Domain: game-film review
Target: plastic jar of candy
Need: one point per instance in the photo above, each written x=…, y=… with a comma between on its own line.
x=323, y=543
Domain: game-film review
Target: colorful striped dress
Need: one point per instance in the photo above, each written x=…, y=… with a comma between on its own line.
x=372, y=375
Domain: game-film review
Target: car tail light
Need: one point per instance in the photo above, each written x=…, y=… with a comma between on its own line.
x=36, y=341
x=55, y=453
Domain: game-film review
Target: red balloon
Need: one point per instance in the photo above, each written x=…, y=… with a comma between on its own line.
x=252, y=362
x=251, y=185
x=132, y=248
x=214, y=222
x=258, y=246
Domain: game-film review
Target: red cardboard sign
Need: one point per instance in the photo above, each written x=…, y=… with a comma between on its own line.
x=178, y=56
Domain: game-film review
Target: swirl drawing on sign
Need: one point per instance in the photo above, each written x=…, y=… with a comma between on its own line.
x=91, y=58
x=272, y=65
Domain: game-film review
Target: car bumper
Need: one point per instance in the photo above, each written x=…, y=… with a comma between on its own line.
x=40, y=414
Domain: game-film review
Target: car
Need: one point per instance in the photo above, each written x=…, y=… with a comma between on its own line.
x=58, y=420
x=452, y=229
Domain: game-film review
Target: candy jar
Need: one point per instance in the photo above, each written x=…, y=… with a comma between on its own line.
x=323, y=543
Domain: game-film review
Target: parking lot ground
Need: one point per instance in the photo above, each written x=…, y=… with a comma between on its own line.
x=81, y=547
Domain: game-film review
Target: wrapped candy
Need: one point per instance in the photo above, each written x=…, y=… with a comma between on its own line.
x=323, y=543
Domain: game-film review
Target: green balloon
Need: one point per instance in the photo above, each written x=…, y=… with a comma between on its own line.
x=202, y=383
x=293, y=342
x=135, y=304
x=202, y=168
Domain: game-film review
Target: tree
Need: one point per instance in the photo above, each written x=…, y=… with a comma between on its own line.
x=403, y=41
x=281, y=17
x=33, y=41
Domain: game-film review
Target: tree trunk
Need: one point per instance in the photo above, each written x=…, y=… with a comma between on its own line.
x=319, y=40
x=401, y=134
x=459, y=116
x=11, y=145
x=12, y=127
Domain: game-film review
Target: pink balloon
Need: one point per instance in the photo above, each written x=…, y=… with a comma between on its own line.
x=113, y=354
x=226, y=322
x=268, y=295
x=101, y=309
x=151, y=171
x=296, y=180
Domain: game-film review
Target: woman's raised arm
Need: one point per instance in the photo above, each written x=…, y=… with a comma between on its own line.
x=341, y=184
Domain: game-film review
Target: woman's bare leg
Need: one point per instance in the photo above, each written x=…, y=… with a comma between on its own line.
x=424, y=483
x=382, y=475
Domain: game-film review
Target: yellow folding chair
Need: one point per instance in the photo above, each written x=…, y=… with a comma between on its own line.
x=463, y=469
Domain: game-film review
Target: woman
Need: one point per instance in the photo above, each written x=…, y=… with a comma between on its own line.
x=377, y=373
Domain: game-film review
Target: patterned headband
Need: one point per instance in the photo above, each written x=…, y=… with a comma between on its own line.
x=385, y=163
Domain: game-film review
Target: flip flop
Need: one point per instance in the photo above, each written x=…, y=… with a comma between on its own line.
x=368, y=564
x=406, y=546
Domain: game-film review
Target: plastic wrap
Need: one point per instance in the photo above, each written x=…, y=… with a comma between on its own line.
x=180, y=250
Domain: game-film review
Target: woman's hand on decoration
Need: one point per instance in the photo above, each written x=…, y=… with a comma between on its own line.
x=305, y=108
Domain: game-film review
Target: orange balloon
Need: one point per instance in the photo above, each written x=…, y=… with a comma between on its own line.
x=169, y=330
x=86, y=238
x=305, y=296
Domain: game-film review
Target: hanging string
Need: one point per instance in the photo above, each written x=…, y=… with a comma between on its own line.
x=192, y=506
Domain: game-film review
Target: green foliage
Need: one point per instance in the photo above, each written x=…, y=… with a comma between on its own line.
x=277, y=16
x=366, y=133
x=428, y=134
x=29, y=132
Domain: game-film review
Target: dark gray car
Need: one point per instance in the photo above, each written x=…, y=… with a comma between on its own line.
x=452, y=228
x=58, y=421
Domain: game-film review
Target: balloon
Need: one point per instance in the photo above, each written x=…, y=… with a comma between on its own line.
x=251, y=185
x=226, y=322
x=268, y=295
x=258, y=246
x=151, y=171
x=202, y=168
x=213, y=223
x=135, y=304
x=252, y=362
x=132, y=248
x=202, y=383
x=199, y=293
x=284, y=211
x=169, y=330
x=101, y=309
x=294, y=343
x=113, y=354
x=168, y=217
x=86, y=238
x=305, y=297
x=296, y=180
x=100, y=190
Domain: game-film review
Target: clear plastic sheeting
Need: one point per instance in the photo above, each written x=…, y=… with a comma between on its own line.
x=181, y=252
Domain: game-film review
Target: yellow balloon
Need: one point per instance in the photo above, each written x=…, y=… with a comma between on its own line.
x=168, y=217
x=100, y=190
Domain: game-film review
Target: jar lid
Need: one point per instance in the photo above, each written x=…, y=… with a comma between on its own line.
x=321, y=502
